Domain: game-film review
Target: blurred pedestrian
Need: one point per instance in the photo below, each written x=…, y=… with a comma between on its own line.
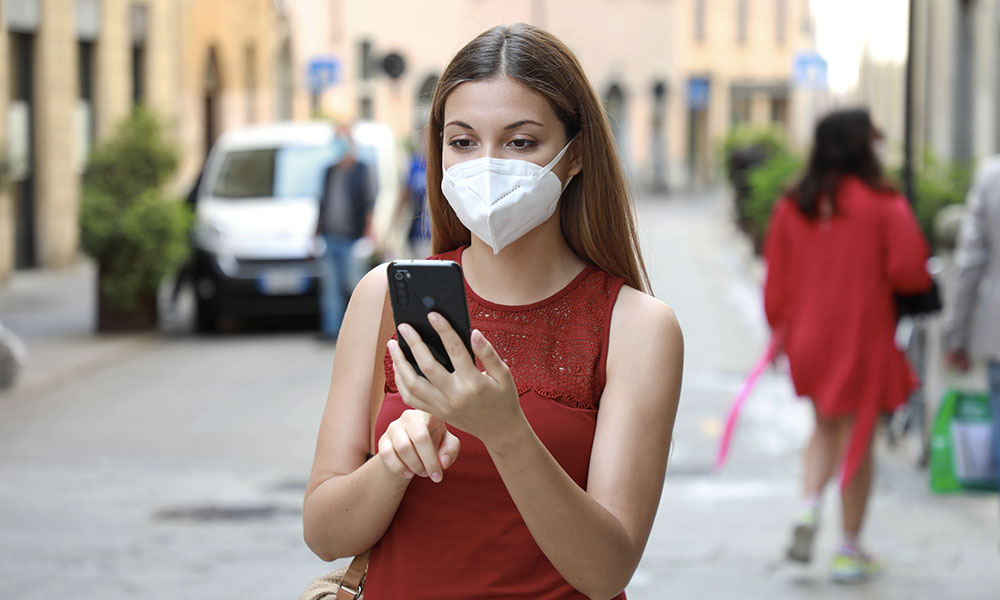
x=546, y=499
x=345, y=209
x=185, y=274
x=415, y=202
x=972, y=325
x=840, y=244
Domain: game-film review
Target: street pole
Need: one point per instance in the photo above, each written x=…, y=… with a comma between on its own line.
x=908, y=188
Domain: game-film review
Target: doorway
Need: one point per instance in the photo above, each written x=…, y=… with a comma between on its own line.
x=213, y=94
x=21, y=148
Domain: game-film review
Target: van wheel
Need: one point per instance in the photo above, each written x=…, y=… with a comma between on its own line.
x=206, y=316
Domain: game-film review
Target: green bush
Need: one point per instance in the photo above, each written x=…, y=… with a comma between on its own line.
x=135, y=233
x=770, y=141
x=937, y=184
x=767, y=183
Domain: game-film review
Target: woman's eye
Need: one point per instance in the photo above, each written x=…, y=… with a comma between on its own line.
x=522, y=144
x=461, y=144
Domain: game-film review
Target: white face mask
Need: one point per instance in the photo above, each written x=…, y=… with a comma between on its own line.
x=499, y=200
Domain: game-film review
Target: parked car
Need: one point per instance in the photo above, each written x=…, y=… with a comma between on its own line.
x=255, y=216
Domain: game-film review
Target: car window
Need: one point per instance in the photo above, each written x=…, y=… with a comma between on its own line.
x=246, y=174
x=300, y=169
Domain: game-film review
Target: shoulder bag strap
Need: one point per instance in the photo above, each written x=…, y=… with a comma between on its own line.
x=352, y=584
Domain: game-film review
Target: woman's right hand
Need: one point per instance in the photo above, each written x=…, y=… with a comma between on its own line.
x=418, y=444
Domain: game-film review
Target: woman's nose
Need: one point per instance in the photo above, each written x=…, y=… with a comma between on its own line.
x=493, y=150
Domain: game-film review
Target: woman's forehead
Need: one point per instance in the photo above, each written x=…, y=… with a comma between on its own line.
x=499, y=99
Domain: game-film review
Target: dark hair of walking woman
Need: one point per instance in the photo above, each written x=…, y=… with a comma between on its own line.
x=842, y=146
x=595, y=213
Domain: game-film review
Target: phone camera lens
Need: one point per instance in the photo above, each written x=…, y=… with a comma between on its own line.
x=399, y=276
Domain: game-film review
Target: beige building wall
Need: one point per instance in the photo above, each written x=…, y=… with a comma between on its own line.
x=936, y=79
x=630, y=46
x=243, y=35
x=57, y=186
x=601, y=33
x=757, y=62
x=59, y=123
x=113, y=90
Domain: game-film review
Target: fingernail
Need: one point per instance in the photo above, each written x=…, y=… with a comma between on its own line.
x=434, y=318
x=436, y=477
x=407, y=475
x=445, y=462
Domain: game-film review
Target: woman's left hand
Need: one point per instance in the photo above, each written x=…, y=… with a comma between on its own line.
x=483, y=404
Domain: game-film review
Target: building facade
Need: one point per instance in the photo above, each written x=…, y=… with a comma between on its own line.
x=675, y=75
x=68, y=77
x=736, y=60
x=956, y=82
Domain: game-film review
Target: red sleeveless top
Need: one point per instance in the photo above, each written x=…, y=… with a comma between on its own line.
x=464, y=538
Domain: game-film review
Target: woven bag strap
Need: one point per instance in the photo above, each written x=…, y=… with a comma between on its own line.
x=351, y=585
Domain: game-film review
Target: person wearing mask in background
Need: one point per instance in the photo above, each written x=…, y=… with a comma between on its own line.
x=535, y=469
x=415, y=189
x=345, y=209
x=840, y=244
x=972, y=322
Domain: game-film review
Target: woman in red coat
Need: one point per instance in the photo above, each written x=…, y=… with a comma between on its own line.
x=839, y=245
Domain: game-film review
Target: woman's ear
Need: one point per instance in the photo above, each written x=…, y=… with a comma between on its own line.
x=575, y=153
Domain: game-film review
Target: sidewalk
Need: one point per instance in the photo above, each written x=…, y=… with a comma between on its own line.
x=717, y=535
x=52, y=311
x=723, y=534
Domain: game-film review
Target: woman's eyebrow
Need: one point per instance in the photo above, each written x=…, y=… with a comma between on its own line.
x=514, y=125
x=523, y=122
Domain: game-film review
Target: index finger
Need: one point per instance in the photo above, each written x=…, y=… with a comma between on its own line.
x=458, y=352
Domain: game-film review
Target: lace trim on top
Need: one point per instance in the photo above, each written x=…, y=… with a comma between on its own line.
x=556, y=347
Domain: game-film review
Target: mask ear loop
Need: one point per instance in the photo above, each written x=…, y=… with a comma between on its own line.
x=555, y=161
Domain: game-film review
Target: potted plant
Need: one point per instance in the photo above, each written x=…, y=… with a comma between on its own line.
x=745, y=149
x=131, y=228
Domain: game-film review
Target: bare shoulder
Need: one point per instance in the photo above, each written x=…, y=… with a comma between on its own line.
x=642, y=322
x=364, y=310
x=373, y=285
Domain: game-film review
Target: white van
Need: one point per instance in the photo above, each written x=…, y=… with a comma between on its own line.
x=256, y=210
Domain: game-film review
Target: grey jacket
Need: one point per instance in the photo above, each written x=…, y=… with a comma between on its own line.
x=973, y=315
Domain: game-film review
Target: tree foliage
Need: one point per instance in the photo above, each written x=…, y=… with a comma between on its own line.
x=128, y=225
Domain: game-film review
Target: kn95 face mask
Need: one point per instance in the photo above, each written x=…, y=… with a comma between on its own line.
x=499, y=200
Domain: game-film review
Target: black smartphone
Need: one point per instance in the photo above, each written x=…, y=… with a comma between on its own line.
x=418, y=287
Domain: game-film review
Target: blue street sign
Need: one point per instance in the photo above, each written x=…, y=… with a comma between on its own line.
x=809, y=70
x=698, y=88
x=322, y=72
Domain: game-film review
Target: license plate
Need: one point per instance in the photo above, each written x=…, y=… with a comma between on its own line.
x=274, y=283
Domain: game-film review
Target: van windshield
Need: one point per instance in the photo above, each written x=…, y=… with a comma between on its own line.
x=287, y=172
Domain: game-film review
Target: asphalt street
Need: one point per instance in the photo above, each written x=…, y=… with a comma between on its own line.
x=168, y=465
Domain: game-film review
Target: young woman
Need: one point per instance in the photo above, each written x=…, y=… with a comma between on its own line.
x=838, y=247
x=536, y=471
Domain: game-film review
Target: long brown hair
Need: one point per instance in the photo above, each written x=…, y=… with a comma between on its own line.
x=842, y=145
x=595, y=212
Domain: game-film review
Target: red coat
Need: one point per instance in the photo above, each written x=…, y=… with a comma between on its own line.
x=829, y=292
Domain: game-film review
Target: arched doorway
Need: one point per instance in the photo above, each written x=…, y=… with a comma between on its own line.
x=285, y=86
x=614, y=105
x=422, y=105
x=658, y=137
x=213, y=95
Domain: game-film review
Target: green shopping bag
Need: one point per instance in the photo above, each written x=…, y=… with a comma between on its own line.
x=960, y=444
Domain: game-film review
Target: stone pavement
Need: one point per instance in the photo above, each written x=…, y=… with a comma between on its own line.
x=723, y=535
x=717, y=535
